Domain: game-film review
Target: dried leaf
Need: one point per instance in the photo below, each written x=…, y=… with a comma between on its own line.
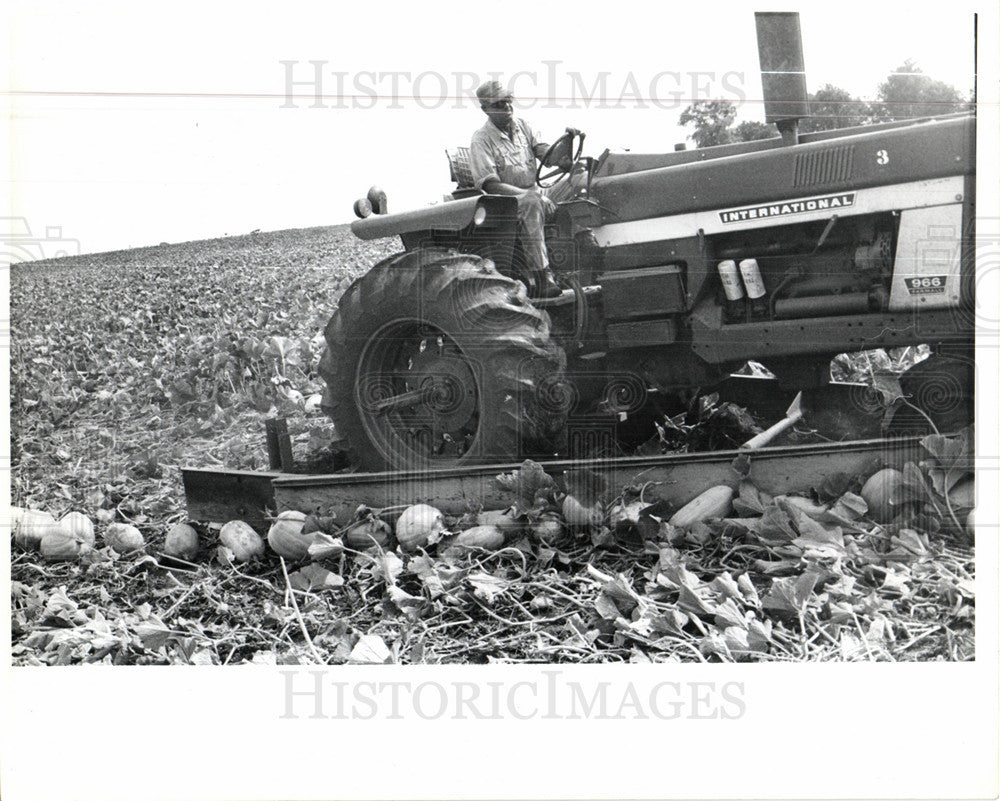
x=370, y=650
x=775, y=526
x=318, y=577
x=952, y=453
x=791, y=594
x=741, y=465
x=388, y=567
x=153, y=635
x=751, y=500
x=439, y=579
x=323, y=546
x=849, y=506
x=486, y=586
x=747, y=588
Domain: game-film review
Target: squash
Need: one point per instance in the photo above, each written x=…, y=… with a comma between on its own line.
x=878, y=492
x=368, y=533
x=489, y=538
x=181, y=541
x=80, y=526
x=503, y=520
x=242, y=540
x=418, y=526
x=286, y=538
x=712, y=503
x=124, y=538
x=29, y=526
x=59, y=545
x=547, y=529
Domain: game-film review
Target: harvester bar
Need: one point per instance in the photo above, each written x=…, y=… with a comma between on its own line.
x=215, y=495
x=218, y=495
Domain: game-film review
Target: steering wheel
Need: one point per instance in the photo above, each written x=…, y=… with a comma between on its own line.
x=563, y=144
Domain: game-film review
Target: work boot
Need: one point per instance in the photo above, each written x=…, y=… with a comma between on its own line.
x=543, y=285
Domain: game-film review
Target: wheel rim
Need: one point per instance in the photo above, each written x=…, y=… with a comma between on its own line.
x=417, y=395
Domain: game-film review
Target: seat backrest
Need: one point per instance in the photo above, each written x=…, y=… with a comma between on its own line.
x=459, y=162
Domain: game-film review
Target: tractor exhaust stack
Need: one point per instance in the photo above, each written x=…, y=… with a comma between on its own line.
x=782, y=71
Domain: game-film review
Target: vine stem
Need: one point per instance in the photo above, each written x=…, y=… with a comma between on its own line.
x=298, y=615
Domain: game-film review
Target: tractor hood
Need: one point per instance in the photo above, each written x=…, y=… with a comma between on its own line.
x=454, y=215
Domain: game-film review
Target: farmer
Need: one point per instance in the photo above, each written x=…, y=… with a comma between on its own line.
x=503, y=158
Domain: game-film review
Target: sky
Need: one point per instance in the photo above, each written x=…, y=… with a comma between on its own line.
x=133, y=124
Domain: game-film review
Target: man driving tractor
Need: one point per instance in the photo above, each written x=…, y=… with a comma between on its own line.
x=503, y=157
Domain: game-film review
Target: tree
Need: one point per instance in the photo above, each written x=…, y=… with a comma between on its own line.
x=907, y=93
x=711, y=120
x=832, y=107
x=751, y=131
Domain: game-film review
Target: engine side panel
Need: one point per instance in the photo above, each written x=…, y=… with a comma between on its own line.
x=926, y=272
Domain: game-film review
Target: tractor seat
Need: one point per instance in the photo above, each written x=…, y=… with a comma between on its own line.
x=461, y=173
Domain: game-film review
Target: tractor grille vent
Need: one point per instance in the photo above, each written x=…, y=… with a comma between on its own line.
x=824, y=166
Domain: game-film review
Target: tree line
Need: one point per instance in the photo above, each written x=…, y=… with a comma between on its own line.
x=906, y=94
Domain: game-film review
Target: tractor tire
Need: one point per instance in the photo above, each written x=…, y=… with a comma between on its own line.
x=435, y=359
x=942, y=387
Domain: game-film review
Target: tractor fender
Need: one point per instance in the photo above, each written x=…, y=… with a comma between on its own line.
x=455, y=215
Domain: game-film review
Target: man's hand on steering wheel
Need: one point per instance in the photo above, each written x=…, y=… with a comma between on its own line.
x=562, y=149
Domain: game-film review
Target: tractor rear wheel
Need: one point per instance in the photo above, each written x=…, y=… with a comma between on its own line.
x=941, y=387
x=434, y=359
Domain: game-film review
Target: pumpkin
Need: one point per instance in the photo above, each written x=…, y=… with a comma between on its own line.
x=418, y=526
x=878, y=492
x=29, y=526
x=80, y=526
x=489, y=538
x=368, y=533
x=286, y=538
x=124, y=538
x=240, y=538
x=714, y=502
x=503, y=520
x=547, y=529
x=181, y=541
x=59, y=545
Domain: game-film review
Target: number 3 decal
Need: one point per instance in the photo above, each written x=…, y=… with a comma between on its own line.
x=882, y=157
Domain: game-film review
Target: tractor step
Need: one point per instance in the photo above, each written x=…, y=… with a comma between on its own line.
x=217, y=495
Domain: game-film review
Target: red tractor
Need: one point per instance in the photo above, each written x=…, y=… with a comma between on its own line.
x=678, y=268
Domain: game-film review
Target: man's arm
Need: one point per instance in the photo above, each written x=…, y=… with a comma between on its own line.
x=494, y=186
x=484, y=172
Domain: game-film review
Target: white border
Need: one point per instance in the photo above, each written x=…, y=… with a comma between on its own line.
x=822, y=731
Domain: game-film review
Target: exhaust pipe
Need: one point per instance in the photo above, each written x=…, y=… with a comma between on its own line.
x=782, y=71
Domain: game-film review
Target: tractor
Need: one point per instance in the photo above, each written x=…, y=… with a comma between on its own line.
x=677, y=269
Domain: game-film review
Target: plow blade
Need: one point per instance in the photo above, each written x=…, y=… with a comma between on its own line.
x=220, y=495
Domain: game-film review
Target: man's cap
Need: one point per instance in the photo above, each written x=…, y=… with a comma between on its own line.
x=492, y=91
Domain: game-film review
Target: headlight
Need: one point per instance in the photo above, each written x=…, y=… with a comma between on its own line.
x=362, y=208
x=479, y=216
